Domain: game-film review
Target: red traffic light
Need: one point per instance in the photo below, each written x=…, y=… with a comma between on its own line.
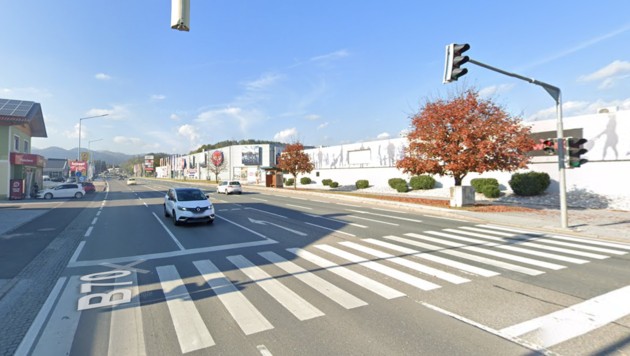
x=549, y=146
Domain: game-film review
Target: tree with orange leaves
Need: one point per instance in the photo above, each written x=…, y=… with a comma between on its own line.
x=295, y=161
x=465, y=134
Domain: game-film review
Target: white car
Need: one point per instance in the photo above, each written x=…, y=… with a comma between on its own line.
x=131, y=181
x=228, y=187
x=64, y=190
x=187, y=205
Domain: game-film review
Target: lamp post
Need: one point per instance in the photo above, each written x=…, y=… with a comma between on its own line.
x=80, y=121
x=90, y=156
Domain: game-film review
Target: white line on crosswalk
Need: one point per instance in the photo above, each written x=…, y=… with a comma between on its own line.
x=484, y=251
x=444, y=261
x=328, y=289
x=299, y=307
x=248, y=318
x=385, y=216
x=329, y=229
x=488, y=261
x=388, y=271
x=126, y=332
x=449, y=277
x=190, y=329
x=509, y=245
x=360, y=280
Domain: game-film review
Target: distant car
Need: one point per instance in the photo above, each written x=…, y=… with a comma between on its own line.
x=131, y=181
x=88, y=187
x=65, y=190
x=188, y=205
x=229, y=187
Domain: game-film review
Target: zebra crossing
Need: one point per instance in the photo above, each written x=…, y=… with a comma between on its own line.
x=387, y=268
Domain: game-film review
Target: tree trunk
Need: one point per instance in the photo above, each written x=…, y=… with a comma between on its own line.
x=458, y=181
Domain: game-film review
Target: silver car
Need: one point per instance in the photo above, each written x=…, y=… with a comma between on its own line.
x=229, y=187
x=188, y=205
x=65, y=190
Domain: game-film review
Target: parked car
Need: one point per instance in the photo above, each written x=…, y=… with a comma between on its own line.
x=228, y=187
x=188, y=205
x=65, y=190
x=131, y=181
x=88, y=187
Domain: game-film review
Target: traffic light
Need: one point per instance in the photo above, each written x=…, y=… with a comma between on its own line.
x=549, y=146
x=575, y=151
x=454, y=59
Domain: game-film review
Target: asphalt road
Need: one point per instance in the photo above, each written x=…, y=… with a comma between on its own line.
x=286, y=274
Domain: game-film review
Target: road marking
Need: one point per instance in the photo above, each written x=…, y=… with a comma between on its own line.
x=388, y=271
x=444, y=261
x=328, y=289
x=267, y=212
x=190, y=329
x=27, y=342
x=127, y=267
x=76, y=253
x=376, y=221
x=484, y=251
x=350, y=205
x=246, y=229
x=386, y=216
x=333, y=230
x=389, y=210
x=259, y=199
x=299, y=206
x=336, y=220
x=350, y=275
x=263, y=350
x=248, y=318
x=94, y=221
x=262, y=222
x=126, y=332
x=552, y=329
x=488, y=261
x=89, y=231
x=299, y=307
x=179, y=245
x=449, y=277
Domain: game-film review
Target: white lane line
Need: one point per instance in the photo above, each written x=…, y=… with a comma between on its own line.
x=443, y=218
x=449, y=277
x=350, y=205
x=381, y=268
x=507, y=245
x=552, y=329
x=98, y=213
x=299, y=206
x=59, y=332
x=299, y=307
x=245, y=228
x=145, y=204
x=259, y=199
x=385, y=216
x=444, y=261
x=263, y=350
x=329, y=229
x=488, y=261
x=27, y=342
x=375, y=221
x=76, y=253
x=89, y=231
x=326, y=288
x=267, y=212
x=248, y=318
x=389, y=210
x=484, y=251
x=94, y=221
x=336, y=220
x=356, y=278
x=192, y=333
x=179, y=245
x=126, y=332
x=520, y=241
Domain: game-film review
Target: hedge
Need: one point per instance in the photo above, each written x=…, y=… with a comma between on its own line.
x=530, y=183
x=393, y=182
x=327, y=181
x=305, y=180
x=362, y=184
x=422, y=182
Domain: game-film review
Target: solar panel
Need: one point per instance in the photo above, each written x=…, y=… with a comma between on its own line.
x=17, y=108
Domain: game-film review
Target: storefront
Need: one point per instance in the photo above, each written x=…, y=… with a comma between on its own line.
x=25, y=173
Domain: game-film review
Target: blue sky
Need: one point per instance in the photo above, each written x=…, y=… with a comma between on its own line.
x=322, y=72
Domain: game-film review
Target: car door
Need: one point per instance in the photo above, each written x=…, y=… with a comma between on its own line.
x=63, y=191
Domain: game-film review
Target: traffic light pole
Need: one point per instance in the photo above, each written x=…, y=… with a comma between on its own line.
x=557, y=96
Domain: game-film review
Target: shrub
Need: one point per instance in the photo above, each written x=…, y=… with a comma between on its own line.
x=305, y=180
x=530, y=183
x=289, y=182
x=479, y=183
x=334, y=185
x=362, y=184
x=491, y=191
x=422, y=182
x=401, y=187
x=327, y=181
x=395, y=181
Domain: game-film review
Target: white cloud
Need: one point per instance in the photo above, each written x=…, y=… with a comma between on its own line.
x=383, y=136
x=286, y=136
x=265, y=81
x=124, y=140
x=158, y=97
x=117, y=112
x=609, y=74
x=322, y=125
x=493, y=90
x=328, y=57
x=190, y=133
x=174, y=117
x=102, y=76
x=236, y=117
x=312, y=117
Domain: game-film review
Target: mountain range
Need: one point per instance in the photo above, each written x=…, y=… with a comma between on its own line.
x=113, y=158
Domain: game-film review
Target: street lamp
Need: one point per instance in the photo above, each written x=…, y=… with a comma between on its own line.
x=80, y=121
x=90, y=156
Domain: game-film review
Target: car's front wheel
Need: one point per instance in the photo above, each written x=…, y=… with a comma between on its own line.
x=78, y=195
x=48, y=196
x=175, y=222
x=166, y=215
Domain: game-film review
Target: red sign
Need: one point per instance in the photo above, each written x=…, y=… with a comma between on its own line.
x=17, y=189
x=217, y=158
x=27, y=159
x=78, y=166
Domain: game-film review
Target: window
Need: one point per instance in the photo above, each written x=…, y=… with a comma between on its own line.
x=26, y=146
x=16, y=143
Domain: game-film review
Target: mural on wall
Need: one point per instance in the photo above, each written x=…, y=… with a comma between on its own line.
x=250, y=155
x=382, y=153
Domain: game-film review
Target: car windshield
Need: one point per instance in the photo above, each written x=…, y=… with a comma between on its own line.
x=190, y=195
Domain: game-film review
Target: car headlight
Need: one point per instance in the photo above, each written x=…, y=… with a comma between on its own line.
x=181, y=208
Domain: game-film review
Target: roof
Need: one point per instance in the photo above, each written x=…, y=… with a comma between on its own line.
x=56, y=163
x=18, y=112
